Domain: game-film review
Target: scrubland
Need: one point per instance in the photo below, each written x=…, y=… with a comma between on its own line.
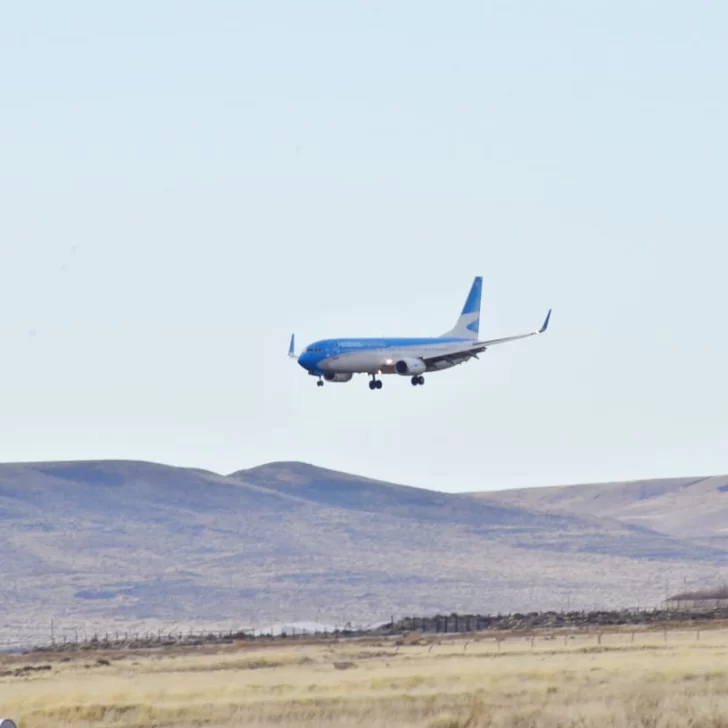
x=117, y=546
x=661, y=680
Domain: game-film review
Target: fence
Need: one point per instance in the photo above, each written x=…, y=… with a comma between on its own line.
x=591, y=622
x=141, y=640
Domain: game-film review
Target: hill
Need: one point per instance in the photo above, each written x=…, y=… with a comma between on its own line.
x=134, y=546
x=688, y=508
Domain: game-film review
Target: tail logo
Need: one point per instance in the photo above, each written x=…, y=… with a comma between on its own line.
x=468, y=324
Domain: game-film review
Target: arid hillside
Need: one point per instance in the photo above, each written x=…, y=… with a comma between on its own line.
x=134, y=546
x=694, y=508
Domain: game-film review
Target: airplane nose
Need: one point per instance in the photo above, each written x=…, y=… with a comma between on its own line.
x=305, y=360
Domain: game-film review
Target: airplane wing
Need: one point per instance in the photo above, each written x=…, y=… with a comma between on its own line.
x=456, y=357
x=471, y=351
x=543, y=328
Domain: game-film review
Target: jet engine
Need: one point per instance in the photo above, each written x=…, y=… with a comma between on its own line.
x=408, y=367
x=338, y=377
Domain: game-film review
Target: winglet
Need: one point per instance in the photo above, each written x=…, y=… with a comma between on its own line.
x=545, y=323
x=292, y=347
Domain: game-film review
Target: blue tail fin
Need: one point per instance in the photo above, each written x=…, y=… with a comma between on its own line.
x=468, y=324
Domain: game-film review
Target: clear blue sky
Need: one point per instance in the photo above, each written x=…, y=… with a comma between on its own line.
x=184, y=184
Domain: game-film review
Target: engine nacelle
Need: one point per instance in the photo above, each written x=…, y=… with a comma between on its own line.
x=409, y=367
x=338, y=377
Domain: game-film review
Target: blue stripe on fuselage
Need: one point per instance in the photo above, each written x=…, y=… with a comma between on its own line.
x=345, y=345
x=316, y=352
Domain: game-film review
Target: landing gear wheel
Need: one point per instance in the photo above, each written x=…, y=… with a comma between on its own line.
x=379, y=383
x=420, y=379
x=320, y=383
x=372, y=384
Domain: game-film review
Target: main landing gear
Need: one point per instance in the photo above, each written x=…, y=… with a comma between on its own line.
x=375, y=383
x=418, y=380
x=320, y=383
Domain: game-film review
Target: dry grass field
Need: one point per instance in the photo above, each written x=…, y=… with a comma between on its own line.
x=626, y=680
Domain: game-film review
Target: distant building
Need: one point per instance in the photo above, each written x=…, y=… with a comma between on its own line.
x=699, y=601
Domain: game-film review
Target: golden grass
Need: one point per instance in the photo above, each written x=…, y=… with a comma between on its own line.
x=641, y=680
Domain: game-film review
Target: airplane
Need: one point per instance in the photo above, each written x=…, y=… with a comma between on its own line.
x=337, y=360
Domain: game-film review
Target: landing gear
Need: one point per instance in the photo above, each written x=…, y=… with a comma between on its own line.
x=320, y=383
x=375, y=383
x=418, y=380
